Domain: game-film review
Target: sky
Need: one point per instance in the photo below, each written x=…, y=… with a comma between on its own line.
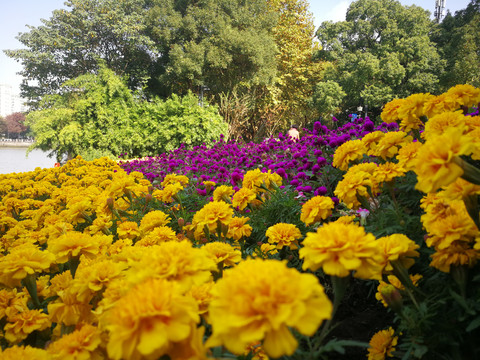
x=15, y=15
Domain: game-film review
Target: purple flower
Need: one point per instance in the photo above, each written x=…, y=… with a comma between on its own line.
x=322, y=190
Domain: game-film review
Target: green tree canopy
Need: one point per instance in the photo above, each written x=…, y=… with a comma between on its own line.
x=97, y=115
x=381, y=51
x=72, y=42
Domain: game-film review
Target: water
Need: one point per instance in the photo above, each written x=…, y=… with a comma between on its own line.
x=14, y=159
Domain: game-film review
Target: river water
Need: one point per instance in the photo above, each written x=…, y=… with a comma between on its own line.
x=14, y=159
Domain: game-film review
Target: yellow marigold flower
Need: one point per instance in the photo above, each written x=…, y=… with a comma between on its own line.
x=101, y=224
x=398, y=248
x=389, y=145
x=406, y=155
x=223, y=253
x=282, y=234
x=265, y=251
x=346, y=219
x=128, y=230
x=174, y=178
x=82, y=344
x=212, y=215
x=12, y=302
x=153, y=219
x=355, y=183
x=382, y=345
x=148, y=320
x=23, y=260
x=388, y=171
x=175, y=261
x=438, y=105
x=78, y=210
x=74, y=243
x=256, y=351
x=60, y=282
x=348, y=152
x=167, y=193
x=238, y=228
x=465, y=95
x=472, y=122
x=259, y=300
x=158, y=235
x=340, y=249
x=458, y=253
x=438, y=124
x=223, y=193
x=435, y=162
x=192, y=347
x=458, y=190
x=396, y=283
x=253, y=179
x=68, y=310
x=390, y=110
x=21, y=324
x=316, y=209
x=202, y=295
x=27, y=352
x=243, y=197
x=371, y=140
x=454, y=224
x=411, y=111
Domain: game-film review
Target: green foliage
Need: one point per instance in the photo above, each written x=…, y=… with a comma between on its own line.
x=73, y=42
x=327, y=97
x=382, y=50
x=97, y=115
x=166, y=125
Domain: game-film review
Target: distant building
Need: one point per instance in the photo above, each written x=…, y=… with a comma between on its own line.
x=10, y=102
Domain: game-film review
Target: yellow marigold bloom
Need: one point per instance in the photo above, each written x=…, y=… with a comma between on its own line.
x=12, y=302
x=355, y=183
x=253, y=179
x=316, y=209
x=174, y=178
x=256, y=351
x=458, y=253
x=382, y=345
x=211, y=215
x=435, y=162
x=74, y=243
x=167, y=193
x=371, y=140
x=243, y=197
x=23, y=260
x=390, y=110
x=395, y=282
x=238, y=228
x=21, y=324
x=348, y=152
x=158, y=235
x=202, y=295
x=223, y=193
x=458, y=190
x=175, y=261
x=27, y=352
x=60, y=282
x=282, y=234
x=465, y=95
x=153, y=219
x=192, y=347
x=407, y=154
x=265, y=251
x=388, y=171
x=101, y=224
x=411, y=111
x=68, y=310
x=259, y=300
x=389, y=145
x=148, y=320
x=223, y=253
x=438, y=105
x=82, y=344
x=438, y=124
x=472, y=122
x=78, y=210
x=340, y=249
x=346, y=219
x=128, y=230
x=454, y=224
x=398, y=248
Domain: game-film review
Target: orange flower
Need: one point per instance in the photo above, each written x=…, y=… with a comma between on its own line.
x=21, y=324
x=382, y=345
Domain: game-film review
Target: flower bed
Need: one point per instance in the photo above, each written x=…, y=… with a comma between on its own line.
x=229, y=260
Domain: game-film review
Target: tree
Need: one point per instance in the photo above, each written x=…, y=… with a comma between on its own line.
x=381, y=51
x=97, y=115
x=15, y=125
x=216, y=43
x=73, y=42
x=459, y=41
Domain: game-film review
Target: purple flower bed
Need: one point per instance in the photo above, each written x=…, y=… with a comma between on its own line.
x=301, y=163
